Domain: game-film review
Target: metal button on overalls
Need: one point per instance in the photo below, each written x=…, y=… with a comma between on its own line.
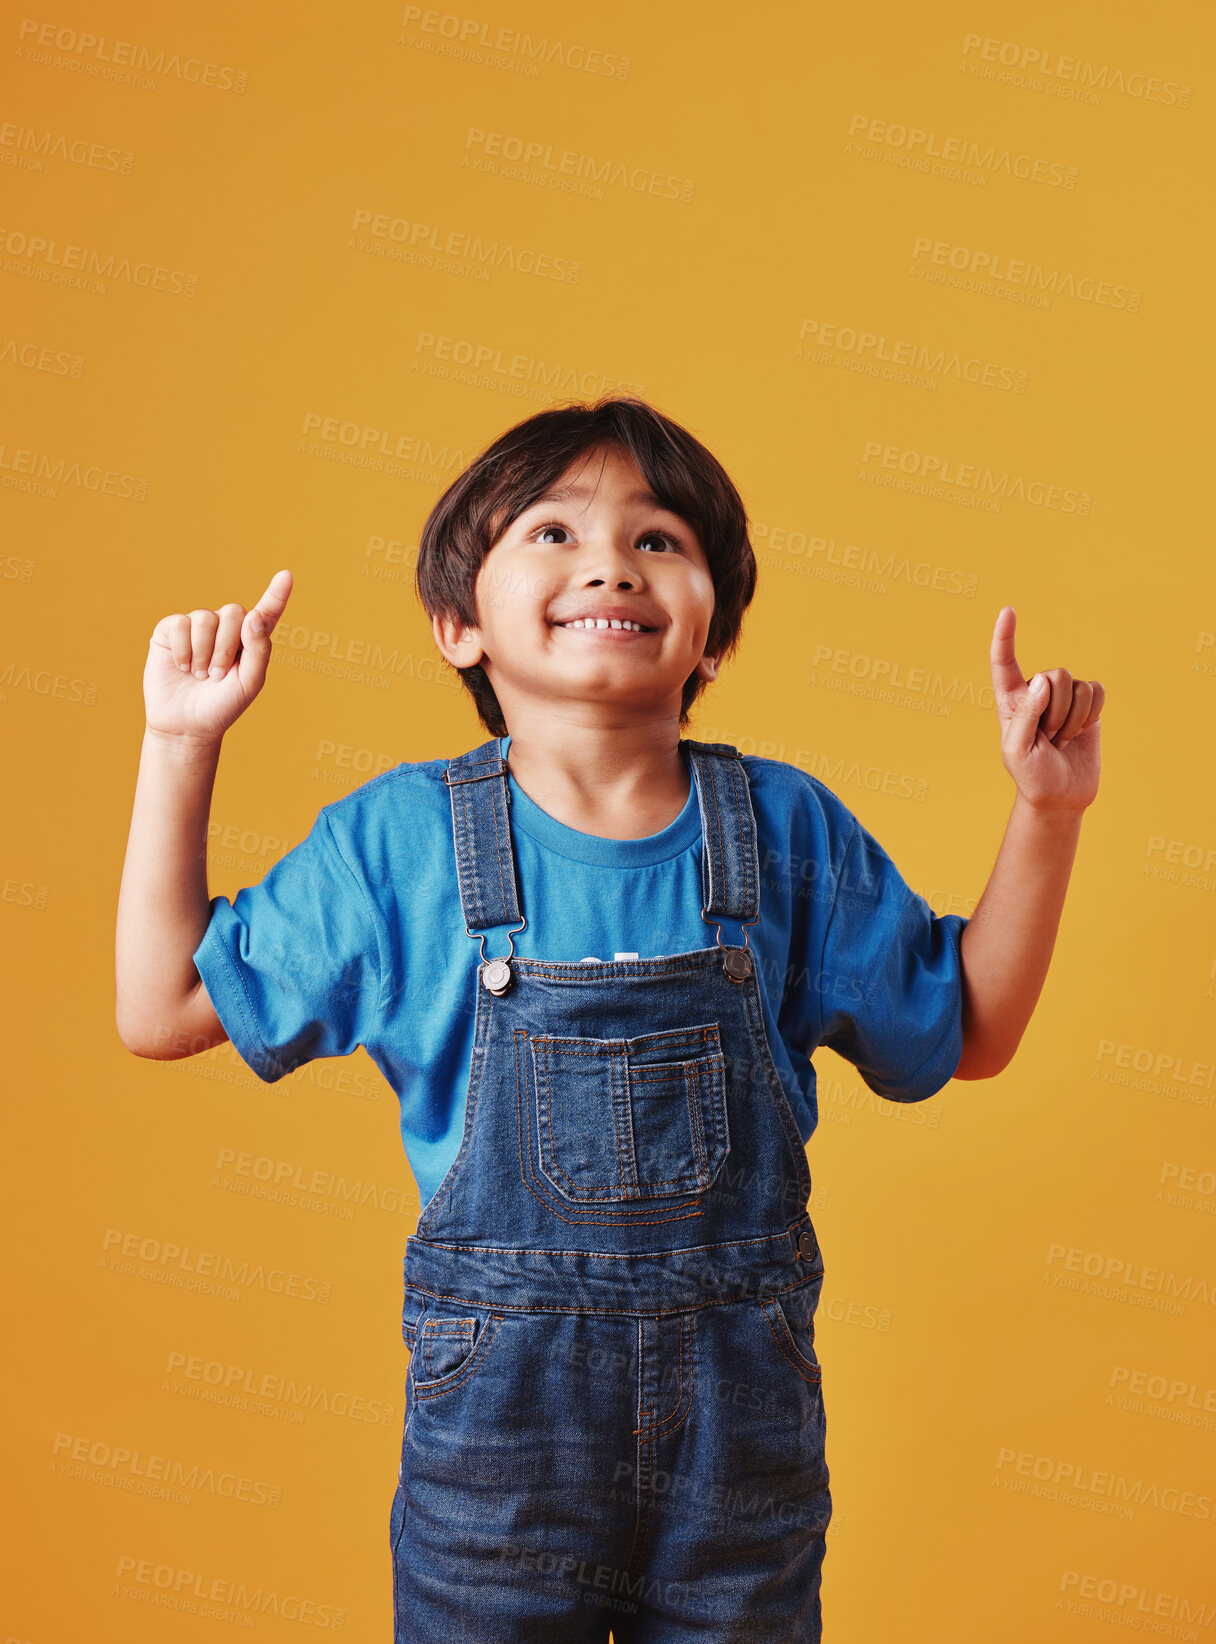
x=613, y=1404
x=496, y=976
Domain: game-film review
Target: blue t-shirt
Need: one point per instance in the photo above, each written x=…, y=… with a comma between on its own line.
x=356, y=937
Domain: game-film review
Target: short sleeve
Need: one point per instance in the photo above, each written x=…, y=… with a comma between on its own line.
x=293, y=966
x=891, y=982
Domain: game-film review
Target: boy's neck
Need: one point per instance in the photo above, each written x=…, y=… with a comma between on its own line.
x=619, y=782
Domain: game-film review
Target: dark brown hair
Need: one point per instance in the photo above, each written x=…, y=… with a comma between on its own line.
x=523, y=463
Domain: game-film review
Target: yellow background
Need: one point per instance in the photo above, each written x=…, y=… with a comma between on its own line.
x=979, y=1373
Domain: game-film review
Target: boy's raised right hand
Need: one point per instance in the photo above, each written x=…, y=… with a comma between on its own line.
x=205, y=668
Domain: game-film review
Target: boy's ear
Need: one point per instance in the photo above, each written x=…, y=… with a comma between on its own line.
x=460, y=644
x=708, y=667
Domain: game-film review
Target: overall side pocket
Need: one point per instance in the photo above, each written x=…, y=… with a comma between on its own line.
x=450, y=1349
x=790, y=1319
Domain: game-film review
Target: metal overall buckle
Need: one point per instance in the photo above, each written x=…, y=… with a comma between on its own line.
x=739, y=962
x=496, y=975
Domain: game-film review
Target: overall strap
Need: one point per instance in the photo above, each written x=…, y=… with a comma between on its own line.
x=477, y=782
x=730, y=863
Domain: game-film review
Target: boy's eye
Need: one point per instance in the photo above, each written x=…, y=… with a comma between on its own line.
x=650, y=536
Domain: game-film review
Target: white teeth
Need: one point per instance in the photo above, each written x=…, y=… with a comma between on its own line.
x=603, y=622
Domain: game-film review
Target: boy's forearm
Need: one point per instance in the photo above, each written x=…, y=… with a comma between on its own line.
x=1007, y=944
x=163, y=904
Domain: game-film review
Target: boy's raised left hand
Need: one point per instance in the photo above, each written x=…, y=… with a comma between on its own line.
x=1049, y=727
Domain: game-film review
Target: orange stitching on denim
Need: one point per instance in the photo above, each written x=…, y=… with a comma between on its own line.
x=545, y=1116
x=470, y=1367
x=622, y=1118
x=587, y=1194
x=550, y=1163
x=628, y=1256
x=667, y=1070
x=577, y=1221
x=800, y=1364
x=433, y=1328
x=640, y=1042
x=652, y=1425
x=606, y=1312
x=642, y=1187
x=677, y=1417
x=584, y=1221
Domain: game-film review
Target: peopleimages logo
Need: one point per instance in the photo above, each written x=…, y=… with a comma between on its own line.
x=1124, y=1278
x=470, y=37
x=973, y=269
x=80, y=265
x=455, y=246
x=39, y=145
x=1127, y=1595
x=965, y=151
x=872, y=348
x=214, y=1381
x=181, y=1266
x=219, y=1598
x=1080, y=71
x=27, y=470
x=969, y=476
x=155, y=1475
x=1058, y=1479
x=578, y=165
x=91, y=50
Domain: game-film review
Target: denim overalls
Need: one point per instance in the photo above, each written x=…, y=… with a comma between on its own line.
x=613, y=1411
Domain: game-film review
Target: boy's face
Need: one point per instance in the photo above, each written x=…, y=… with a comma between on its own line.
x=592, y=548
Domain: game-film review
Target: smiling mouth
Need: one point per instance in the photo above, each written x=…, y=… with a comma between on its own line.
x=606, y=625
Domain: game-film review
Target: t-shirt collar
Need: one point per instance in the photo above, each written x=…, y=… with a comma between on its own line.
x=546, y=830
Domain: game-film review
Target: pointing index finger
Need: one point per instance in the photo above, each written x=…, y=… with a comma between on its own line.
x=1007, y=676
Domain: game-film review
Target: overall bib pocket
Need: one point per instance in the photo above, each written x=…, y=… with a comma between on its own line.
x=630, y=1119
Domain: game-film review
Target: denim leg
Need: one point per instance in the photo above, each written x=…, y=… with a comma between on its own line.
x=733, y=1478
x=511, y=1524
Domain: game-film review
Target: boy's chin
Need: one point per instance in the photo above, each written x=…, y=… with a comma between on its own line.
x=593, y=692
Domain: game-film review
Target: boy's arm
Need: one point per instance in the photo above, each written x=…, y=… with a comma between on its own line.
x=1007, y=943
x=203, y=670
x=1050, y=746
x=161, y=1006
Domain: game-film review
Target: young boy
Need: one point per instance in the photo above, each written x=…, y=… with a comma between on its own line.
x=593, y=959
